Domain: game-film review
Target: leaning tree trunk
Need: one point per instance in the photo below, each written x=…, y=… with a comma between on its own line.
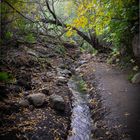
x=92, y=40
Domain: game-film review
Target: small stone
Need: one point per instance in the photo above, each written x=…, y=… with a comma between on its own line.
x=26, y=93
x=62, y=66
x=36, y=99
x=45, y=91
x=107, y=132
x=82, y=62
x=15, y=88
x=24, y=103
x=44, y=79
x=57, y=102
x=30, y=52
x=63, y=72
x=67, y=72
x=136, y=78
x=61, y=80
x=31, y=107
x=51, y=55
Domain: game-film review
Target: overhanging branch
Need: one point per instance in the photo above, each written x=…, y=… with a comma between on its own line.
x=18, y=11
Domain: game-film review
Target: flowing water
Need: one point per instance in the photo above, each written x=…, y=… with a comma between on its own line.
x=81, y=119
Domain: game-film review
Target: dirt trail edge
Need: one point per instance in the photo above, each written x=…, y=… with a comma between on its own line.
x=118, y=114
x=37, y=104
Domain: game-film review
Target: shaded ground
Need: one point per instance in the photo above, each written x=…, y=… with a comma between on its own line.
x=119, y=97
x=35, y=71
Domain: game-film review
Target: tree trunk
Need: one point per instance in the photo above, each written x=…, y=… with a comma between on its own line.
x=92, y=40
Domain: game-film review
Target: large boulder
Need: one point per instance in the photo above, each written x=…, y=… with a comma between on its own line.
x=57, y=102
x=136, y=78
x=136, y=47
x=36, y=99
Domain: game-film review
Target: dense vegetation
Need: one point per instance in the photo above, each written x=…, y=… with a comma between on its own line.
x=105, y=25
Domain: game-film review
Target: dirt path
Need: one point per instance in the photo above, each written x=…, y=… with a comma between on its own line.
x=119, y=97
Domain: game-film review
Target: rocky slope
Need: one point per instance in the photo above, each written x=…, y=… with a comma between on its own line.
x=37, y=103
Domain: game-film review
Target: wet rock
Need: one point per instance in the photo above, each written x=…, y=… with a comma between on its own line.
x=26, y=93
x=57, y=102
x=82, y=62
x=36, y=99
x=24, y=103
x=64, y=72
x=61, y=80
x=136, y=78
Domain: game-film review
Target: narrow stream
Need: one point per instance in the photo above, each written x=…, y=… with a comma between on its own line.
x=81, y=119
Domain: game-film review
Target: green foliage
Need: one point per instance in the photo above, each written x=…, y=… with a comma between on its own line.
x=8, y=35
x=130, y=76
x=115, y=20
x=88, y=48
x=14, y=25
x=82, y=86
x=60, y=50
x=30, y=38
x=5, y=77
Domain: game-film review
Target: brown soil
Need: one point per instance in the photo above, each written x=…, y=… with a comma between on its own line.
x=119, y=100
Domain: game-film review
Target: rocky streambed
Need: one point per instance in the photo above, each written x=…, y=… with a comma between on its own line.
x=81, y=117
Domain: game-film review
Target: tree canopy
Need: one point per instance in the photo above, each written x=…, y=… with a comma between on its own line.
x=111, y=21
